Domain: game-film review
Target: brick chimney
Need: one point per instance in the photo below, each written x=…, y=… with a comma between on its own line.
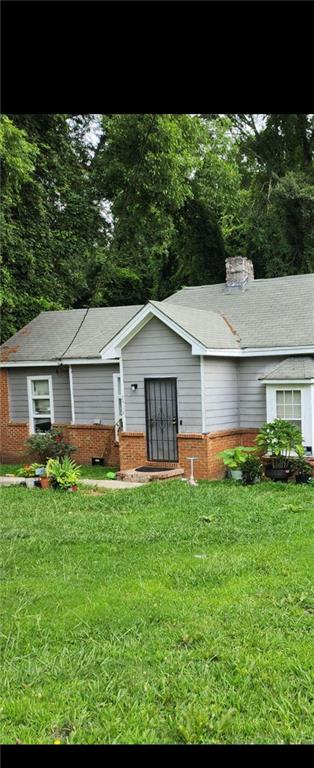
x=239, y=272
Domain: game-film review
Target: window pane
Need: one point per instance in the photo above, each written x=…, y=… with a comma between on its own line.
x=280, y=397
x=288, y=411
x=41, y=406
x=288, y=398
x=297, y=411
x=119, y=386
x=280, y=411
x=297, y=397
x=42, y=425
x=40, y=387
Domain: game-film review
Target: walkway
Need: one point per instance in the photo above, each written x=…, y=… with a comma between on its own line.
x=112, y=485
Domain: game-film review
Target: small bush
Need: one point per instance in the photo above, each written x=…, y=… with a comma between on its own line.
x=49, y=445
x=252, y=469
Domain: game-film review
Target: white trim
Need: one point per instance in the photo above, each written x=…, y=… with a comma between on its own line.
x=287, y=381
x=307, y=419
x=57, y=363
x=30, y=397
x=71, y=395
x=122, y=393
x=88, y=361
x=203, y=394
x=116, y=398
x=30, y=364
x=112, y=349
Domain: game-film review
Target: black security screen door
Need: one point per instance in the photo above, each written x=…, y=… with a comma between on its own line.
x=161, y=419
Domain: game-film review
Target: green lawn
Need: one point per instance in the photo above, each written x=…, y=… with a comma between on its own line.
x=87, y=470
x=164, y=614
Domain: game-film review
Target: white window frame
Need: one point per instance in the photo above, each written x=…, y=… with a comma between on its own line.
x=31, y=397
x=116, y=398
x=307, y=417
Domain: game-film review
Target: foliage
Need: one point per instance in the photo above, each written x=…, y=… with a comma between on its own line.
x=252, y=469
x=64, y=472
x=301, y=467
x=116, y=631
x=111, y=475
x=280, y=439
x=235, y=457
x=116, y=209
x=49, y=445
x=28, y=470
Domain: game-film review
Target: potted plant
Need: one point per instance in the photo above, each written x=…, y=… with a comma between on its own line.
x=302, y=470
x=29, y=471
x=252, y=470
x=64, y=473
x=44, y=481
x=279, y=441
x=234, y=458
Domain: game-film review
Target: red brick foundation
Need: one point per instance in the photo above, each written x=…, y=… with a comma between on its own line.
x=12, y=435
x=133, y=451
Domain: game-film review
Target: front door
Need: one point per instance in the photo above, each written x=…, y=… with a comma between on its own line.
x=161, y=419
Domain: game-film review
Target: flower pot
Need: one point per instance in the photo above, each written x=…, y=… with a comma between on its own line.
x=73, y=488
x=236, y=474
x=278, y=474
x=30, y=482
x=44, y=482
x=302, y=478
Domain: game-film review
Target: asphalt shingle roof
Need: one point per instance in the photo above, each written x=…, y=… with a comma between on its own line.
x=293, y=368
x=278, y=312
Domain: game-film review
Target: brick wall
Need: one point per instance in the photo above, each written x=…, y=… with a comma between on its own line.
x=219, y=441
x=12, y=435
x=89, y=439
x=133, y=451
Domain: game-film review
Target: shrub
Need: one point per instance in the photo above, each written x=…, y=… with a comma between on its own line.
x=280, y=438
x=252, y=469
x=63, y=472
x=28, y=470
x=49, y=445
x=301, y=467
x=235, y=457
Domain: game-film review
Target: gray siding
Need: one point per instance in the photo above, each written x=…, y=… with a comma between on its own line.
x=252, y=393
x=60, y=388
x=157, y=351
x=93, y=393
x=221, y=393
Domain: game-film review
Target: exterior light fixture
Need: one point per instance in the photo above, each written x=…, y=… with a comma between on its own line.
x=133, y=387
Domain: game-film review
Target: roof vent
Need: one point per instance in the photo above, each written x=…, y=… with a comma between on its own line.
x=239, y=271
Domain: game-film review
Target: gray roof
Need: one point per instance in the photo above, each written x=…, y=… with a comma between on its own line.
x=67, y=334
x=278, y=312
x=210, y=328
x=293, y=368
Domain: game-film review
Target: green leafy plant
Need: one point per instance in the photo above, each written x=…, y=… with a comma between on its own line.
x=64, y=472
x=28, y=470
x=234, y=458
x=49, y=445
x=280, y=439
x=111, y=475
x=252, y=470
x=301, y=467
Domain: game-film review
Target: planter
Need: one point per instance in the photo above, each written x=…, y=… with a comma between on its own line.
x=30, y=482
x=278, y=474
x=302, y=479
x=236, y=474
x=44, y=482
x=73, y=488
x=40, y=471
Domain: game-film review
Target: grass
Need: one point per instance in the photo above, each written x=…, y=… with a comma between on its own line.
x=87, y=470
x=163, y=614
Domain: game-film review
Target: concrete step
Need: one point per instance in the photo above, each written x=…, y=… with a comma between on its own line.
x=132, y=476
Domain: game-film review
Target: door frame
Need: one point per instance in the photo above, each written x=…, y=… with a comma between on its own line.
x=148, y=379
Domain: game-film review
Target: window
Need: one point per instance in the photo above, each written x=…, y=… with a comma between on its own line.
x=288, y=406
x=118, y=405
x=40, y=403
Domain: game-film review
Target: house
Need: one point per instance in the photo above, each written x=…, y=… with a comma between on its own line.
x=154, y=384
